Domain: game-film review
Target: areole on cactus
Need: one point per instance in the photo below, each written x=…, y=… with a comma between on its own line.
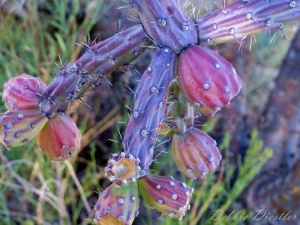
x=206, y=82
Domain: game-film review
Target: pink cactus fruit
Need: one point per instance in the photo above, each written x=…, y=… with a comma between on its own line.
x=206, y=79
x=23, y=92
x=195, y=153
x=117, y=205
x=20, y=126
x=59, y=138
x=168, y=196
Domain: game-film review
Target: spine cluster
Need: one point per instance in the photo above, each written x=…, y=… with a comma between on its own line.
x=183, y=77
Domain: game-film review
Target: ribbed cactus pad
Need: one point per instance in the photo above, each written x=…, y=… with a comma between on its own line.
x=59, y=138
x=117, y=205
x=168, y=196
x=206, y=79
x=195, y=153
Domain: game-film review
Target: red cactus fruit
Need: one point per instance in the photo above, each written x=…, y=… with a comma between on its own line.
x=168, y=196
x=23, y=92
x=206, y=79
x=20, y=126
x=59, y=138
x=122, y=168
x=117, y=205
x=195, y=153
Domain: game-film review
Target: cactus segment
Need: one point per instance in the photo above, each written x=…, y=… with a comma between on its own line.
x=59, y=138
x=210, y=84
x=168, y=196
x=239, y=20
x=151, y=96
x=117, y=205
x=23, y=92
x=107, y=55
x=195, y=153
x=165, y=23
x=122, y=168
x=18, y=127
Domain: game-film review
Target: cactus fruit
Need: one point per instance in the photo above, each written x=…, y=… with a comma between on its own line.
x=166, y=24
x=209, y=85
x=117, y=205
x=195, y=153
x=23, y=92
x=122, y=168
x=18, y=127
x=59, y=138
x=168, y=196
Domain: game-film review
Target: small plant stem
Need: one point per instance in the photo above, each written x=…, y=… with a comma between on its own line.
x=78, y=185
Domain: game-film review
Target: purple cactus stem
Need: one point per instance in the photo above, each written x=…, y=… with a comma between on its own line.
x=150, y=96
x=165, y=23
x=117, y=205
x=237, y=21
x=168, y=196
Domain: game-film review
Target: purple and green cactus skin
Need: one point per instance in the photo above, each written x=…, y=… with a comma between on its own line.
x=241, y=19
x=209, y=85
x=117, y=205
x=150, y=97
x=195, y=153
x=166, y=24
x=168, y=196
x=205, y=80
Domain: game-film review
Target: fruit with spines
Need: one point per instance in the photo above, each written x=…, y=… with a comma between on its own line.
x=60, y=138
x=209, y=85
x=23, y=92
x=117, y=205
x=195, y=153
x=168, y=196
x=18, y=127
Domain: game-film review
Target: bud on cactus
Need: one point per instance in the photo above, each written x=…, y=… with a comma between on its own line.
x=195, y=153
x=23, y=92
x=20, y=126
x=168, y=196
x=59, y=138
x=210, y=83
x=117, y=206
x=122, y=168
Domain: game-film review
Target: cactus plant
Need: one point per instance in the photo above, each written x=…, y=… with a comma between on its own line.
x=206, y=82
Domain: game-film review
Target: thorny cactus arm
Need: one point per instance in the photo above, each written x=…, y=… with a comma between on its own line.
x=241, y=19
x=166, y=24
x=150, y=100
x=205, y=79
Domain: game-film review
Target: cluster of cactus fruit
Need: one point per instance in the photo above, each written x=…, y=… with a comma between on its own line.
x=182, y=79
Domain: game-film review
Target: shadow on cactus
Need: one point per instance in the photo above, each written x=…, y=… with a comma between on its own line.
x=194, y=78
